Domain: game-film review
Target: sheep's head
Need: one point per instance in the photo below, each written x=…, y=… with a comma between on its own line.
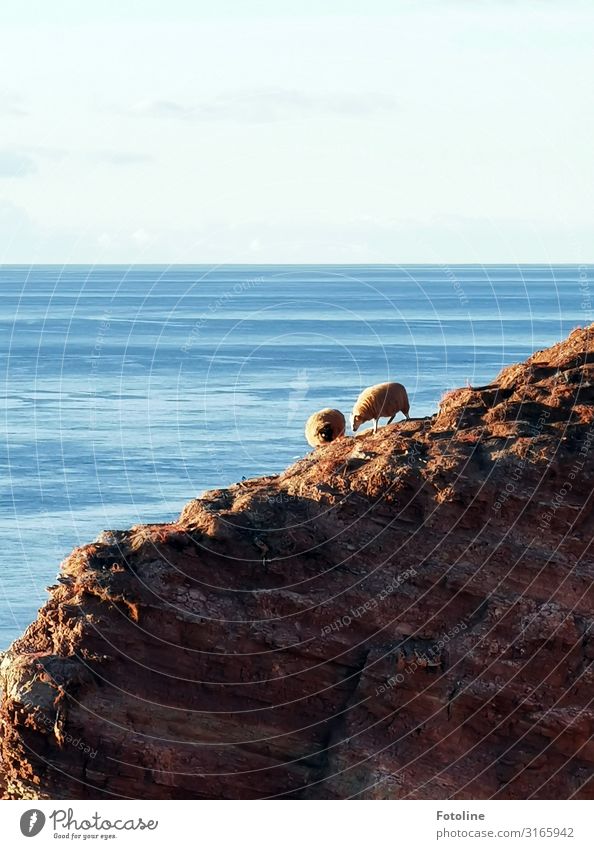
x=325, y=433
x=356, y=421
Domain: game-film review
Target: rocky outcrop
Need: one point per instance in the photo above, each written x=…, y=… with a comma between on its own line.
x=400, y=615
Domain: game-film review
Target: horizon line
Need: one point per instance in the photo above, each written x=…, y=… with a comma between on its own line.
x=213, y=265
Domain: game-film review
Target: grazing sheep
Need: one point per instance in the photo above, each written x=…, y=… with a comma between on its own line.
x=384, y=399
x=324, y=426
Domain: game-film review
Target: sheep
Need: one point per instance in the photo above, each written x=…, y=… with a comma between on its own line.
x=383, y=399
x=324, y=426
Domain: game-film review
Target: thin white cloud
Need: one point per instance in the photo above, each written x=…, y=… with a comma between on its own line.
x=59, y=154
x=161, y=108
x=14, y=163
x=270, y=104
x=140, y=237
x=114, y=157
x=105, y=241
x=11, y=105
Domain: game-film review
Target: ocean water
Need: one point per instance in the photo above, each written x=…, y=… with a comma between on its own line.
x=129, y=390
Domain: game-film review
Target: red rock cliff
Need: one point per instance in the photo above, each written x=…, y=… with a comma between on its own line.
x=405, y=615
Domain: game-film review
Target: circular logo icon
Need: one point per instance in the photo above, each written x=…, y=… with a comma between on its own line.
x=32, y=822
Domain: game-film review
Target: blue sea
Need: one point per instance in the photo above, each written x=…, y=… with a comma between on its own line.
x=129, y=390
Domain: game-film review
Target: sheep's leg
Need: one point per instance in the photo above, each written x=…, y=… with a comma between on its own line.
x=391, y=419
x=375, y=424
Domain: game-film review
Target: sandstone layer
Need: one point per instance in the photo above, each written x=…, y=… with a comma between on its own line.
x=400, y=615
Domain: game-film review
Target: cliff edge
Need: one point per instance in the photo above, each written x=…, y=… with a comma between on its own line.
x=400, y=615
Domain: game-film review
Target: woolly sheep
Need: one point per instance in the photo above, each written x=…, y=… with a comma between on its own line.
x=383, y=399
x=324, y=426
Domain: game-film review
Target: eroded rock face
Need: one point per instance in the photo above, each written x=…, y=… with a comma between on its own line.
x=400, y=615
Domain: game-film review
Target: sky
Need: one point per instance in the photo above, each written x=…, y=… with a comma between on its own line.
x=287, y=132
